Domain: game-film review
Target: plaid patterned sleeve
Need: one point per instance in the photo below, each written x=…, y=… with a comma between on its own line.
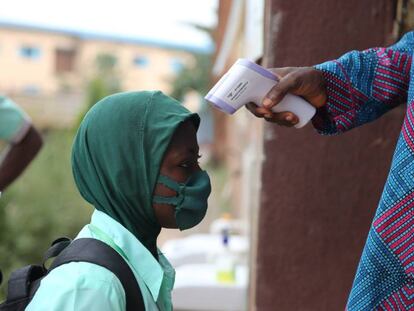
x=362, y=86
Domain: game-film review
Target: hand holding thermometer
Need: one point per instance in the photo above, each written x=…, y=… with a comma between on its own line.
x=248, y=82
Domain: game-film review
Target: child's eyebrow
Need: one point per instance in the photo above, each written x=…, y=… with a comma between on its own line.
x=185, y=152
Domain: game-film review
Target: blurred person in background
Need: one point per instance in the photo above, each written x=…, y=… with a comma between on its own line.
x=22, y=138
x=348, y=92
x=135, y=160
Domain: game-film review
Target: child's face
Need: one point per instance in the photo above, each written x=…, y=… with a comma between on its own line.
x=179, y=163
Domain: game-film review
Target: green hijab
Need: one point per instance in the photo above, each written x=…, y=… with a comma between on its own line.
x=117, y=155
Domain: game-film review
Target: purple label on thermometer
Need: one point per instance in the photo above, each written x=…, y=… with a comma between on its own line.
x=257, y=68
x=221, y=104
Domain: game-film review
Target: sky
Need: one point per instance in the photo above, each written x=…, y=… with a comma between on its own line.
x=160, y=20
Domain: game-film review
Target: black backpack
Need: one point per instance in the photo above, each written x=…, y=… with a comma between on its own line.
x=24, y=282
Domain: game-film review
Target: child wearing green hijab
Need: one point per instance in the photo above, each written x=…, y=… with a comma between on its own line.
x=135, y=159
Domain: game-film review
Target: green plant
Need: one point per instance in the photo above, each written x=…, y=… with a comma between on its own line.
x=193, y=77
x=196, y=76
x=105, y=81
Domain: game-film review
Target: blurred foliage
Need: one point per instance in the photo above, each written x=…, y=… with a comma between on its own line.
x=192, y=77
x=195, y=76
x=105, y=81
x=40, y=206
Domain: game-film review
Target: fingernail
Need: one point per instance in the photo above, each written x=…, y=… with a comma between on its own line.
x=289, y=118
x=267, y=102
x=268, y=115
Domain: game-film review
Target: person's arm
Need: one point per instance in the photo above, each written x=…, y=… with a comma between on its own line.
x=18, y=156
x=355, y=89
x=24, y=141
x=362, y=86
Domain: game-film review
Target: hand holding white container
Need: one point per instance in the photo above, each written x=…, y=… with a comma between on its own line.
x=248, y=82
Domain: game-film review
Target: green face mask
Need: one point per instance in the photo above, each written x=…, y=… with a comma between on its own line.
x=191, y=199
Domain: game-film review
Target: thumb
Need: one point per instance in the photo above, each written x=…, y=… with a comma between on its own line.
x=281, y=72
x=286, y=85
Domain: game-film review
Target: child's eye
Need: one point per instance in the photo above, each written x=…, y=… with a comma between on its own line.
x=190, y=163
x=184, y=165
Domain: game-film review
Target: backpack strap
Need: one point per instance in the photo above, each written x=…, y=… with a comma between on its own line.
x=99, y=253
x=56, y=248
x=19, y=285
x=24, y=282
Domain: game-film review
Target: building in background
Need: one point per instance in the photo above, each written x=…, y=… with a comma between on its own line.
x=46, y=70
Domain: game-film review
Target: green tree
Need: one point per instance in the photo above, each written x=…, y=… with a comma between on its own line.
x=195, y=77
x=105, y=81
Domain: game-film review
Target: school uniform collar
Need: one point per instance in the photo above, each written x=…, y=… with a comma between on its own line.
x=138, y=256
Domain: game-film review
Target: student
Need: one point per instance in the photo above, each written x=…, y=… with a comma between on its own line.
x=353, y=90
x=135, y=159
x=23, y=139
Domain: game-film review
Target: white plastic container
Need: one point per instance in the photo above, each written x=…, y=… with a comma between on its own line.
x=225, y=261
x=248, y=82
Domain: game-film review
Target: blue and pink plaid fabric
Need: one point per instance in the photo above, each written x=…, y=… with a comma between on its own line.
x=361, y=86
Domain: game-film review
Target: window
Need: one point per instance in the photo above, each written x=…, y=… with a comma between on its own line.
x=176, y=65
x=64, y=60
x=29, y=52
x=141, y=61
